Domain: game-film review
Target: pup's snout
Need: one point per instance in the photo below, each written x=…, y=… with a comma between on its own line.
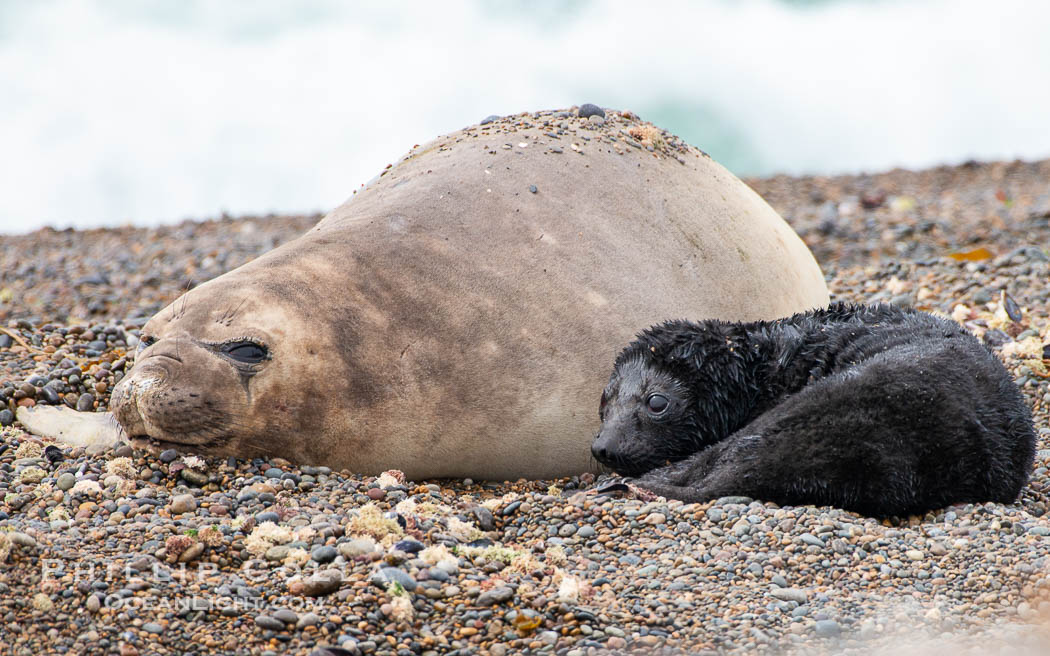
x=602, y=449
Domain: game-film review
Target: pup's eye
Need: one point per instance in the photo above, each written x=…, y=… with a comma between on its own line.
x=146, y=341
x=657, y=403
x=246, y=352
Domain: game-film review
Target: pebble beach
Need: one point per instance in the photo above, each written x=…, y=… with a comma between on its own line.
x=123, y=552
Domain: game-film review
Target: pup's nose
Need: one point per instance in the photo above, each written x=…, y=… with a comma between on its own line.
x=601, y=449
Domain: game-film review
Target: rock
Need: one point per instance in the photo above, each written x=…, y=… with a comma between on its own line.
x=388, y=575
x=286, y=616
x=655, y=519
x=152, y=627
x=324, y=554
x=168, y=455
x=194, y=477
x=322, y=583
x=194, y=551
x=182, y=503
x=827, y=628
x=355, y=548
x=93, y=603
x=269, y=623
x=6, y=417
x=587, y=109
x=409, y=546
x=86, y=402
x=495, y=596
x=491, y=118
x=789, y=594
x=309, y=619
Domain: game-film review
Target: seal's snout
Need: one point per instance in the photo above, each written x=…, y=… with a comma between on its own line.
x=603, y=448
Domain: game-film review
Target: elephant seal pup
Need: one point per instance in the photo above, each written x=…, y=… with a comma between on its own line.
x=869, y=408
x=455, y=316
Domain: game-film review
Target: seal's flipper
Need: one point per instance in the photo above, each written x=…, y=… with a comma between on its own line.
x=95, y=431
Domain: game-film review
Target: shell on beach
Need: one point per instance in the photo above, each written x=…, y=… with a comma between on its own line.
x=459, y=315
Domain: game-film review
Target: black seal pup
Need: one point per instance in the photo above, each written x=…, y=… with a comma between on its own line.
x=874, y=409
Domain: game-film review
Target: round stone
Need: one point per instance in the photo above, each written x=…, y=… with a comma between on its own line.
x=86, y=402
x=50, y=395
x=6, y=417
x=286, y=616
x=167, y=455
x=325, y=554
x=65, y=481
x=269, y=623
x=182, y=503
x=589, y=109
x=827, y=628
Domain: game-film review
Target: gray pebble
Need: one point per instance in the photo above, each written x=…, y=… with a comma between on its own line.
x=168, y=455
x=323, y=583
x=589, y=109
x=270, y=623
x=152, y=627
x=495, y=596
x=827, y=628
x=65, y=481
x=286, y=616
x=323, y=555
x=388, y=575
x=309, y=619
x=86, y=402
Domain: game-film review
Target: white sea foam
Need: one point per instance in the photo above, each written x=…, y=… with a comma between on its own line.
x=152, y=110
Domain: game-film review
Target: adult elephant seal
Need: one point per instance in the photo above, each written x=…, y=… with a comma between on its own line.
x=457, y=316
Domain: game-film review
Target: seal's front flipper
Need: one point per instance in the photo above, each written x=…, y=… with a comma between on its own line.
x=95, y=431
x=612, y=485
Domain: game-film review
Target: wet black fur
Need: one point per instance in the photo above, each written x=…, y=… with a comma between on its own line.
x=874, y=409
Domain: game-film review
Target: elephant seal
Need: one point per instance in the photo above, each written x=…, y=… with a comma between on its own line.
x=874, y=409
x=454, y=317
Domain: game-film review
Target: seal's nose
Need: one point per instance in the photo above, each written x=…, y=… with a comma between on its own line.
x=601, y=449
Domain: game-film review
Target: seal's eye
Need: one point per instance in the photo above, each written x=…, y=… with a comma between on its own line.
x=246, y=352
x=657, y=403
x=146, y=341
